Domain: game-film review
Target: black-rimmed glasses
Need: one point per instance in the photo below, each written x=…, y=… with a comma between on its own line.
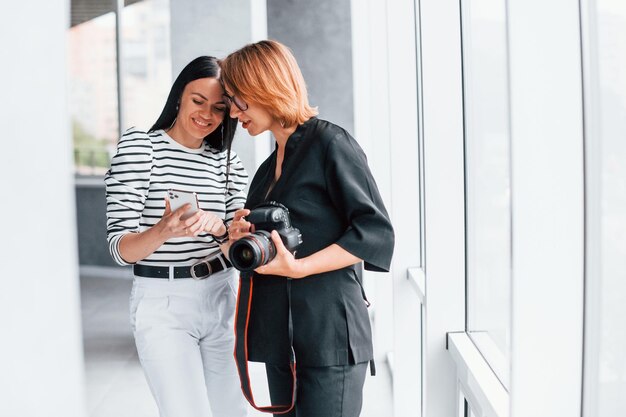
x=230, y=100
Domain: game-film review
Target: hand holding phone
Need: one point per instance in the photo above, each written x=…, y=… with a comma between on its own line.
x=179, y=198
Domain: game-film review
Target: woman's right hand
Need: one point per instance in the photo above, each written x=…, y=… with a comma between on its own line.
x=134, y=247
x=240, y=227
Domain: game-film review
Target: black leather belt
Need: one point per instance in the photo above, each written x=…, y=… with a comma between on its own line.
x=201, y=270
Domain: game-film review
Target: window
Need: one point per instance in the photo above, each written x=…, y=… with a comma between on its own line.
x=144, y=75
x=93, y=93
x=488, y=181
x=146, y=65
x=604, y=29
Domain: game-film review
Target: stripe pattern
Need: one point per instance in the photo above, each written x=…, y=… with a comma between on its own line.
x=145, y=166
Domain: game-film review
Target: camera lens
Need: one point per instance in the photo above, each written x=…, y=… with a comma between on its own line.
x=252, y=251
x=246, y=255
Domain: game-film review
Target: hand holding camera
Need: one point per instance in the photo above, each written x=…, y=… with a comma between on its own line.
x=273, y=235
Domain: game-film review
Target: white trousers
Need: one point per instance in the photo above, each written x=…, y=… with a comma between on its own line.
x=185, y=338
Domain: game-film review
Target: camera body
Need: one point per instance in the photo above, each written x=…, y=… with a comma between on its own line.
x=257, y=249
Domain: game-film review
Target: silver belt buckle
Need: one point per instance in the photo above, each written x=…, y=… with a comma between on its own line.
x=193, y=270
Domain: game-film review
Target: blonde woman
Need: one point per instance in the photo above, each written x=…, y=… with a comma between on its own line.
x=312, y=302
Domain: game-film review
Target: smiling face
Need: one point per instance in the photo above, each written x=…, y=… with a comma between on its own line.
x=200, y=112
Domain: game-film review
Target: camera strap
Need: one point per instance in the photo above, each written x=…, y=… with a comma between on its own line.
x=242, y=318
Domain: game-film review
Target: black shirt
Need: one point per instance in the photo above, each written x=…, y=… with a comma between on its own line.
x=332, y=198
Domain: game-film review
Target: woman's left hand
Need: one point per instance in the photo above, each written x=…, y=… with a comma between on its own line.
x=284, y=263
x=207, y=222
x=214, y=225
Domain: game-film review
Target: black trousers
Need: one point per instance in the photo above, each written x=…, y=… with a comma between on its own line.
x=328, y=391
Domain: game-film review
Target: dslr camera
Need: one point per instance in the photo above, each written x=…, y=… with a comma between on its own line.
x=257, y=249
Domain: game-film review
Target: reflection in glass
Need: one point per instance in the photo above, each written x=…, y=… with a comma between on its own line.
x=488, y=182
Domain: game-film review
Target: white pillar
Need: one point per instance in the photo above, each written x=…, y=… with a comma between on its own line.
x=41, y=359
x=548, y=209
x=404, y=166
x=444, y=198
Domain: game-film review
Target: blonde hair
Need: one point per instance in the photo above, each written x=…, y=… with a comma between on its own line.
x=267, y=73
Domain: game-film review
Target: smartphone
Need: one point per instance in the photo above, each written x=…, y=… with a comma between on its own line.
x=179, y=198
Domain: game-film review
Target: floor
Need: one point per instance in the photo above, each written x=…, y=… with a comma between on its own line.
x=115, y=384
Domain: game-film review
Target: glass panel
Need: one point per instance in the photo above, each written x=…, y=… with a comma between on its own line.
x=146, y=68
x=605, y=107
x=93, y=93
x=488, y=182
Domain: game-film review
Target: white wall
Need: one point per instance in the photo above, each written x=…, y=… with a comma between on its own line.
x=41, y=361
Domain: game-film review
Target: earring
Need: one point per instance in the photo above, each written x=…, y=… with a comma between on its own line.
x=222, y=131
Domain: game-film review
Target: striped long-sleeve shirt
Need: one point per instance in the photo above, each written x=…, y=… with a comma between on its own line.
x=144, y=168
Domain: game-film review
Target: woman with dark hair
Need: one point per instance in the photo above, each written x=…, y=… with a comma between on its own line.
x=182, y=302
x=310, y=305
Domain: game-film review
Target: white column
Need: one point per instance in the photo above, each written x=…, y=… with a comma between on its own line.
x=405, y=211
x=41, y=359
x=548, y=223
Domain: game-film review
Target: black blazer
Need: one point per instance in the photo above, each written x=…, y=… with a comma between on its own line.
x=332, y=198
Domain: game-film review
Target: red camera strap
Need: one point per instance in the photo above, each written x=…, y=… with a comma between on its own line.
x=242, y=318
